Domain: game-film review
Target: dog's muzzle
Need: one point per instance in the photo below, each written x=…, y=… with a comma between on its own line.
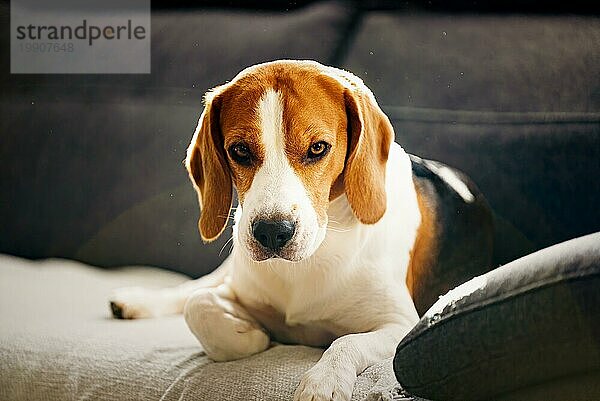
x=273, y=235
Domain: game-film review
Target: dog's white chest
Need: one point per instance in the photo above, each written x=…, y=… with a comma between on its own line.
x=351, y=282
x=283, y=330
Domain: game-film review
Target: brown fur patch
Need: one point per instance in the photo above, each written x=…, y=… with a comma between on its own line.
x=370, y=140
x=239, y=122
x=317, y=107
x=306, y=92
x=422, y=255
x=207, y=166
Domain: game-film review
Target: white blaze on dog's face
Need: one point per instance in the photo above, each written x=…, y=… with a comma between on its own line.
x=278, y=217
x=290, y=137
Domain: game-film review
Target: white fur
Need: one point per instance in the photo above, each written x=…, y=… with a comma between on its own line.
x=353, y=283
x=277, y=189
x=451, y=179
x=353, y=264
x=224, y=328
x=351, y=278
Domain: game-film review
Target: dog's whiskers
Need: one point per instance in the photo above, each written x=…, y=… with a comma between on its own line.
x=225, y=244
x=228, y=217
x=336, y=230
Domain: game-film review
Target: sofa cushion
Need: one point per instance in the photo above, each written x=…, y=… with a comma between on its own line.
x=533, y=320
x=58, y=341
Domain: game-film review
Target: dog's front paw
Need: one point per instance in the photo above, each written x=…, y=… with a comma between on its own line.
x=324, y=382
x=134, y=303
x=225, y=331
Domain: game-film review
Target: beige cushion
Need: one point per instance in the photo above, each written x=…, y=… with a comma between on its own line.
x=59, y=342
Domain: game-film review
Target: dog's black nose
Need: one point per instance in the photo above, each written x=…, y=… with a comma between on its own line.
x=273, y=235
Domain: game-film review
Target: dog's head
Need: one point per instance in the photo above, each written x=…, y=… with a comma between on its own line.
x=290, y=136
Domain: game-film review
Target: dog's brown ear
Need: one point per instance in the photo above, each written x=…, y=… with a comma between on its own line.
x=370, y=134
x=209, y=171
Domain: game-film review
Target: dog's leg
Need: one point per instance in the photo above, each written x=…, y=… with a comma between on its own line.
x=333, y=377
x=223, y=327
x=139, y=302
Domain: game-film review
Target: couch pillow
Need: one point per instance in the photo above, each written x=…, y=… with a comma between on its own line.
x=533, y=320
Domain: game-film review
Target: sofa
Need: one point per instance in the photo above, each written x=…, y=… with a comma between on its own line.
x=94, y=195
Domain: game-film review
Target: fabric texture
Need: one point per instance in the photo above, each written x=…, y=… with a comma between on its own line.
x=533, y=320
x=59, y=342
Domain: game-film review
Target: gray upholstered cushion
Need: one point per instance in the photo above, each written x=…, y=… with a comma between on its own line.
x=533, y=320
x=58, y=342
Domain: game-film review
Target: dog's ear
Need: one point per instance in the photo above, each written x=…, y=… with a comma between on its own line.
x=207, y=166
x=370, y=134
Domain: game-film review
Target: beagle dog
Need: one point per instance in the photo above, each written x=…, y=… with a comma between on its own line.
x=340, y=238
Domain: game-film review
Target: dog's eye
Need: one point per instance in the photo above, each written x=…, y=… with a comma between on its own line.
x=317, y=150
x=240, y=154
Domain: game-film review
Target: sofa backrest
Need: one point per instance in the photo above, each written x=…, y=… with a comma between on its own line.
x=92, y=164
